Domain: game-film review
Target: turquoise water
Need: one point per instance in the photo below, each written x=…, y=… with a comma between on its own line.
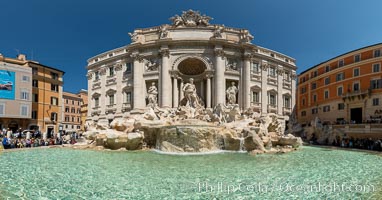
x=309, y=173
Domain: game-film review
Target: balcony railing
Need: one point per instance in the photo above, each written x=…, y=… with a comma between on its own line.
x=287, y=110
x=360, y=94
x=272, y=108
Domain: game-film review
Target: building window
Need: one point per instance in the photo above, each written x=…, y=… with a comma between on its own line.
x=34, y=114
x=96, y=76
x=78, y=119
x=53, y=116
x=375, y=101
x=315, y=73
x=303, y=90
x=327, y=80
x=129, y=66
x=24, y=95
x=24, y=110
x=72, y=102
x=111, y=99
x=326, y=94
x=287, y=76
x=355, y=87
x=66, y=118
x=54, y=87
x=35, y=83
x=72, y=121
x=272, y=71
x=339, y=91
x=303, y=101
x=314, y=98
x=255, y=68
x=376, y=67
x=376, y=84
x=327, y=68
x=73, y=110
x=340, y=77
x=314, y=111
x=341, y=106
x=26, y=79
x=78, y=110
x=255, y=97
x=355, y=72
x=303, y=113
x=326, y=108
x=67, y=109
x=35, y=97
x=54, y=75
x=340, y=63
x=314, y=86
x=377, y=53
x=96, y=101
x=111, y=71
x=357, y=58
x=54, y=101
x=286, y=102
x=272, y=99
x=2, y=109
x=34, y=70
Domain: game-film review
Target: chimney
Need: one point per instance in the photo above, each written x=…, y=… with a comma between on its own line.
x=21, y=57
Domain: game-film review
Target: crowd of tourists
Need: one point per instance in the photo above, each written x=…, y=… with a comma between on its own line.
x=358, y=143
x=29, y=139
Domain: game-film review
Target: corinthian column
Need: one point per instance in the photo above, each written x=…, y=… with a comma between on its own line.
x=208, y=96
x=219, y=76
x=175, y=91
x=247, y=80
x=138, y=90
x=165, y=79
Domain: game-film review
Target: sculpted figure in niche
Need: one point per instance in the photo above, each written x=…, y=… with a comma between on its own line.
x=163, y=32
x=152, y=93
x=190, y=95
x=151, y=66
x=231, y=93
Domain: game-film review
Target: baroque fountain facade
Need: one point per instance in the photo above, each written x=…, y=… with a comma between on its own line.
x=191, y=87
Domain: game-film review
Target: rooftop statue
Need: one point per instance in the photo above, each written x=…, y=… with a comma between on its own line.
x=190, y=18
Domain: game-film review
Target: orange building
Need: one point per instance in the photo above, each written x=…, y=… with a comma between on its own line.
x=72, y=112
x=344, y=89
x=46, y=97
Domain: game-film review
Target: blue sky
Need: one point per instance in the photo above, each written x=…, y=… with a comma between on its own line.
x=65, y=33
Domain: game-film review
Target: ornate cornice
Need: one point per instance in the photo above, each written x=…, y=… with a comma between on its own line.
x=118, y=67
x=89, y=75
x=164, y=52
x=137, y=56
x=264, y=66
x=102, y=71
x=248, y=56
x=219, y=52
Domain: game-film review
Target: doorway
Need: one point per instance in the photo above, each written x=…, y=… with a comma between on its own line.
x=50, y=131
x=356, y=115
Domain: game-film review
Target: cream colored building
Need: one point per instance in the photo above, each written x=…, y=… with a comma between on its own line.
x=169, y=55
x=15, y=93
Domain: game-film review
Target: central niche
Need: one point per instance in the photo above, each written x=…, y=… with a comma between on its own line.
x=192, y=66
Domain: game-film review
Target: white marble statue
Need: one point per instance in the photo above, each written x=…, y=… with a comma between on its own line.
x=163, y=32
x=190, y=95
x=231, y=93
x=151, y=66
x=152, y=93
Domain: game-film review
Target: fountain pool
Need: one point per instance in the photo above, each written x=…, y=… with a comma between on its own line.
x=310, y=173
